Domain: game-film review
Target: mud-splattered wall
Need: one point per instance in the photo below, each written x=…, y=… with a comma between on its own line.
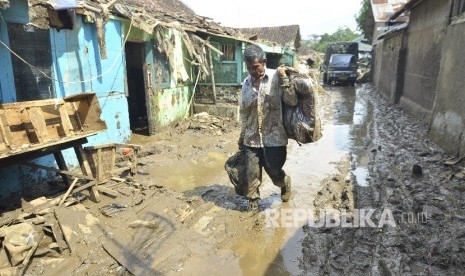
x=448, y=118
x=391, y=54
x=169, y=97
x=169, y=105
x=431, y=84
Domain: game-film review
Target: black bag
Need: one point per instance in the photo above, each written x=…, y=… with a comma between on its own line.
x=235, y=167
x=302, y=122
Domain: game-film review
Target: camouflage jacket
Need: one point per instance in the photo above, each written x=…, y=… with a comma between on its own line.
x=261, y=111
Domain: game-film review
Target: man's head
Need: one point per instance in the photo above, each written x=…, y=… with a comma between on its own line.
x=255, y=60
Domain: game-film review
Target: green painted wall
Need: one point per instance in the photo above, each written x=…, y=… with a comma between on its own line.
x=169, y=106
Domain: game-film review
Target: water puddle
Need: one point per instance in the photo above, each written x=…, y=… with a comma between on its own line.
x=204, y=171
x=361, y=176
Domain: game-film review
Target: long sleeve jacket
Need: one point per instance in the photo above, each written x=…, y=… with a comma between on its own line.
x=261, y=111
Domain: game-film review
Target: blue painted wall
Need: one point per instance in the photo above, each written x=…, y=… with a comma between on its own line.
x=17, y=13
x=77, y=68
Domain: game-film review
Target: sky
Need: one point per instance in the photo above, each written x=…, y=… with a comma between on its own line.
x=313, y=16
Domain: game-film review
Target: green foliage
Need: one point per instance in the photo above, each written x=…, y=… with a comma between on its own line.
x=361, y=17
x=342, y=34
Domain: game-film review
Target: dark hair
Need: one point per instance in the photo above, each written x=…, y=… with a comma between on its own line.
x=253, y=52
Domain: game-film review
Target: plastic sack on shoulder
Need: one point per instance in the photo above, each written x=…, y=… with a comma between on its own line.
x=302, y=122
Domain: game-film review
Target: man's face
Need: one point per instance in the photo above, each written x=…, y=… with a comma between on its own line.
x=256, y=68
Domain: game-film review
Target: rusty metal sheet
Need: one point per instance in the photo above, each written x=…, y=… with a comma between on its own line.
x=383, y=9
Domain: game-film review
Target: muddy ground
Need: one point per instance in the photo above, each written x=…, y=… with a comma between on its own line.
x=179, y=215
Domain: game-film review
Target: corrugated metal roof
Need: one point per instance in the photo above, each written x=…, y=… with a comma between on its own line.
x=384, y=9
x=405, y=9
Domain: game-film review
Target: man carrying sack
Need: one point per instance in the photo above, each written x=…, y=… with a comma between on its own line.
x=263, y=139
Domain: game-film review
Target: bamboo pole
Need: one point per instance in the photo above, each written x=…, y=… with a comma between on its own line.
x=212, y=75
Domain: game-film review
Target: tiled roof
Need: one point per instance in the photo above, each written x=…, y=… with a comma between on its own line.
x=171, y=11
x=288, y=36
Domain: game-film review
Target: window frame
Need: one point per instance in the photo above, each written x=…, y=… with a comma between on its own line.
x=42, y=54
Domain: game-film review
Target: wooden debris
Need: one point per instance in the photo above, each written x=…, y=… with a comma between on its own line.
x=68, y=191
x=76, y=223
x=153, y=224
x=453, y=161
x=108, y=191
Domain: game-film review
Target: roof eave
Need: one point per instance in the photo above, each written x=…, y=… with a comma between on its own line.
x=408, y=6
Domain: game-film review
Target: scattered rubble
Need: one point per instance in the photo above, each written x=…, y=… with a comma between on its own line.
x=207, y=123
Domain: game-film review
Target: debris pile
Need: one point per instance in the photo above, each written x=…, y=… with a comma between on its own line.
x=35, y=232
x=204, y=122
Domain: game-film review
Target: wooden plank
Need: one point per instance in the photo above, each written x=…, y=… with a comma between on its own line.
x=3, y=146
x=68, y=191
x=76, y=115
x=28, y=104
x=135, y=160
x=99, y=166
x=113, y=159
x=85, y=186
x=40, y=150
x=65, y=121
x=38, y=123
x=76, y=223
x=85, y=167
x=50, y=112
x=37, y=167
x=5, y=130
x=108, y=191
x=60, y=159
x=120, y=170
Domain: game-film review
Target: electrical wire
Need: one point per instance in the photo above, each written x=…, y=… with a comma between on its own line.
x=72, y=82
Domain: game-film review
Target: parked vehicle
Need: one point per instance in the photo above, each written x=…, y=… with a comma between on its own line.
x=342, y=47
x=342, y=68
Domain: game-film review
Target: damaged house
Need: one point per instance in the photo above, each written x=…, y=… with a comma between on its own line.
x=281, y=45
x=142, y=60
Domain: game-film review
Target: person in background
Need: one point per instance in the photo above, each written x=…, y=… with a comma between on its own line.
x=263, y=137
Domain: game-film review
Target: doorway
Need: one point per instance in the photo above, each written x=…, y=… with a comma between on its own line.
x=136, y=88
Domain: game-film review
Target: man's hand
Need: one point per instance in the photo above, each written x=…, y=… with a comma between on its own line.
x=281, y=71
x=240, y=143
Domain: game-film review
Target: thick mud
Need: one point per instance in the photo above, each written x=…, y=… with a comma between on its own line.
x=397, y=170
x=392, y=202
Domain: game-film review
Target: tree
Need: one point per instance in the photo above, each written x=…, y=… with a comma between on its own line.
x=342, y=34
x=362, y=16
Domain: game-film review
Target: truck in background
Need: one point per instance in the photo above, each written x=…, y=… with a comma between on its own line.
x=340, y=63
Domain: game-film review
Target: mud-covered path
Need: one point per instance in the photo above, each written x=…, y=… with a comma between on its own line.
x=364, y=163
x=181, y=216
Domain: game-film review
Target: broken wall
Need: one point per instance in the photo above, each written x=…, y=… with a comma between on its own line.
x=170, y=102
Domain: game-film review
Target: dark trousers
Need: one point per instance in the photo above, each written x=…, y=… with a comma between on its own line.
x=271, y=159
